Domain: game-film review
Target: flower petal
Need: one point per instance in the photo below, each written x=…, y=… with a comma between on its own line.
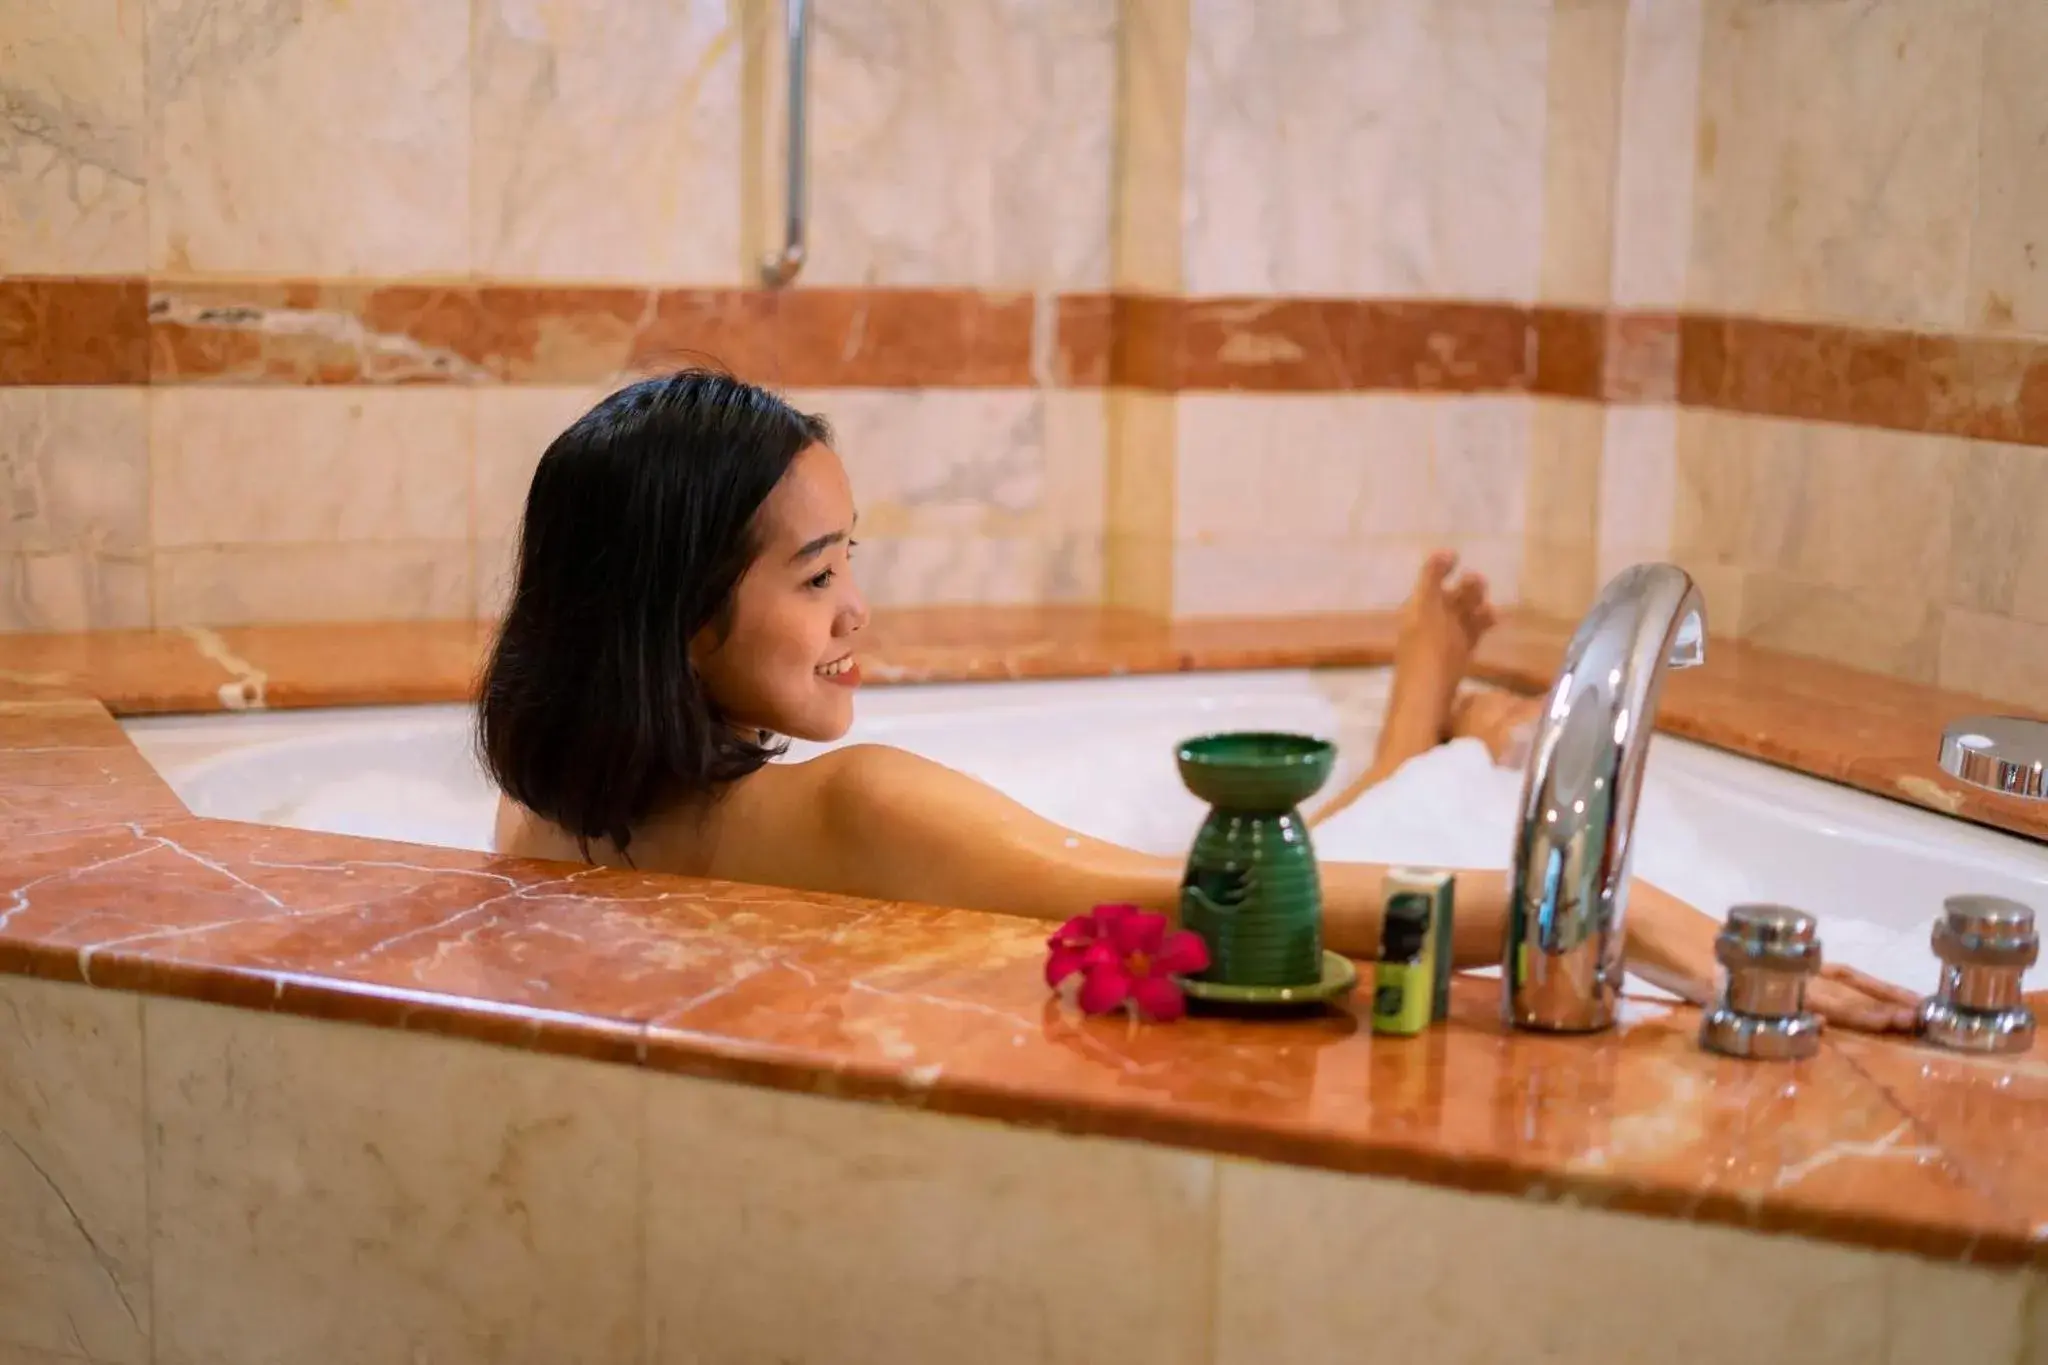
x=1141, y=932
x=1159, y=998
x=1077, y=932
x=1062, y=963
x=1105, y=916
x=1182, y=952
x=1105, y=988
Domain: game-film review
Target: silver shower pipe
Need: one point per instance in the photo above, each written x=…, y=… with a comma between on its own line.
x=782, y=267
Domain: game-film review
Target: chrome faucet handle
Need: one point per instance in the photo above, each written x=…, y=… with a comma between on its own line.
x=1986, y=944
x=2004, y=753
x=1768, y=953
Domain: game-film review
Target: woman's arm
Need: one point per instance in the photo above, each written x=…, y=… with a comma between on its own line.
x=893, y=826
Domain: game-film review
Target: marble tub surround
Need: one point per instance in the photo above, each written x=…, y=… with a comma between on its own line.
x=1875, y=1144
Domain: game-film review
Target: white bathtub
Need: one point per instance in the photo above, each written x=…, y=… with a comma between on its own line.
x=1098, y=757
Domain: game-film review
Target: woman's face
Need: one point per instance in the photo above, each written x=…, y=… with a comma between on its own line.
x=787, y=664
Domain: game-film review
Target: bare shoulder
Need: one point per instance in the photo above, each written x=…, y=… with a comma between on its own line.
x=860, y=777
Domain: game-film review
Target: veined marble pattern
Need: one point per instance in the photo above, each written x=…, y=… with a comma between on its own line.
x=1581, y=137
x=74, y=508
x=913, y=1235
x=1251, y=576
x=336, y=581
x=1396, y=1265
x=1638, y=472
x=1655, y=159
x=74, y=1231
x=1390, y=149
x=607, y=141
x=958, y=141
x=1351, y=467
x=72, y=143
x=385, y=1197
x=1998, y=560
x=975, y=495
x=284, y=466
x=1838, y=159
x=319, y=139
x=2008, y=263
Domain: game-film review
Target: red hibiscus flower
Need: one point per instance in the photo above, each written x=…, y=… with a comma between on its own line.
x=1125, y=957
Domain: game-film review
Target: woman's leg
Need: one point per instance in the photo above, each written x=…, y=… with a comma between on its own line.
x=1441, y=624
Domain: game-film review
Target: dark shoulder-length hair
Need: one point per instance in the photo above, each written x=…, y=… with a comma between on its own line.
x=639, y=525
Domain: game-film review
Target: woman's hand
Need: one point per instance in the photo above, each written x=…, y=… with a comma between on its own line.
x=1671, y=945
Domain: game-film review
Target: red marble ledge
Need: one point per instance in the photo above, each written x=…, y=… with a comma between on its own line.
x=1868, y=731
x=1874, y=1143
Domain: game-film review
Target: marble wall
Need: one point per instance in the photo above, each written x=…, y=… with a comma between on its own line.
x=223, y=144
x=1534, y=278
x=264, y=1180
x=1872, y=166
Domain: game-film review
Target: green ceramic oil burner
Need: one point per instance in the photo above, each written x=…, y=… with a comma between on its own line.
x=1251, y=889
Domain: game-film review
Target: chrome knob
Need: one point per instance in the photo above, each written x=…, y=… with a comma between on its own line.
x=2005, y=753
x=1986, y=944
x=1767, y=954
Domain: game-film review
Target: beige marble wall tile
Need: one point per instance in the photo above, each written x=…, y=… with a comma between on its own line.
x=73, y=150
x=1558, y=535
x=73, y=470
x=1279, y=575
x=333, y=1193
x=2008, y=272
x=1839, y=506
x=1150, y=151
x=281, y=466
x=1655, y=161
x=1351, y=466
x=1994, y=656
x=74, y=1228
x=933, y=569
x=607, y=141
x=1404, y=1267
x=956, y=461
x=1876, y=629
x=1395, y=148
x=393, y=580
x=958, y=143
x=1998, y=555
x=1638, y=486
x=913, y=1236
x=1837, y=159
x=1582, y=133
x=310, y=139
x=1566, y=461
x=74, y=590
x=23, y=1355
x=74, y=508
x=1140, y=499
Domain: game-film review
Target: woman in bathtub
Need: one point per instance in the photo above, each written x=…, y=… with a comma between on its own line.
x=684, y=596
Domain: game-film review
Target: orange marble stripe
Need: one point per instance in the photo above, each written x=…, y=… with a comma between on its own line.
x=81, y=331
x=60, y=330
x=1987, y=388
x=308, y=333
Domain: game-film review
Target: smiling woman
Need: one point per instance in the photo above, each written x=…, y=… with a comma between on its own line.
x=684, y=598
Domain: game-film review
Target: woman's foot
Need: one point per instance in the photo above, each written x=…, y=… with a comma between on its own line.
x=1499, y=720
x=1441, y=624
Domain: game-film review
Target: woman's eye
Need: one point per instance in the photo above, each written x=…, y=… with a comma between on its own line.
x=819, y=580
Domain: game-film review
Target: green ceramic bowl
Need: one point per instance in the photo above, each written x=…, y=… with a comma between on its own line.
x=1251, y=770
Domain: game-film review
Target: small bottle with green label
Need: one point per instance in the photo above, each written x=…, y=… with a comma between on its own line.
x=1404, y=979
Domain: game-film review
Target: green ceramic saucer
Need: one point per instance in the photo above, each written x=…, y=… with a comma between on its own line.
x=1340, y=974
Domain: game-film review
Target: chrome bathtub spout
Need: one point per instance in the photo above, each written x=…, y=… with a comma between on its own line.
x=1568, y=885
